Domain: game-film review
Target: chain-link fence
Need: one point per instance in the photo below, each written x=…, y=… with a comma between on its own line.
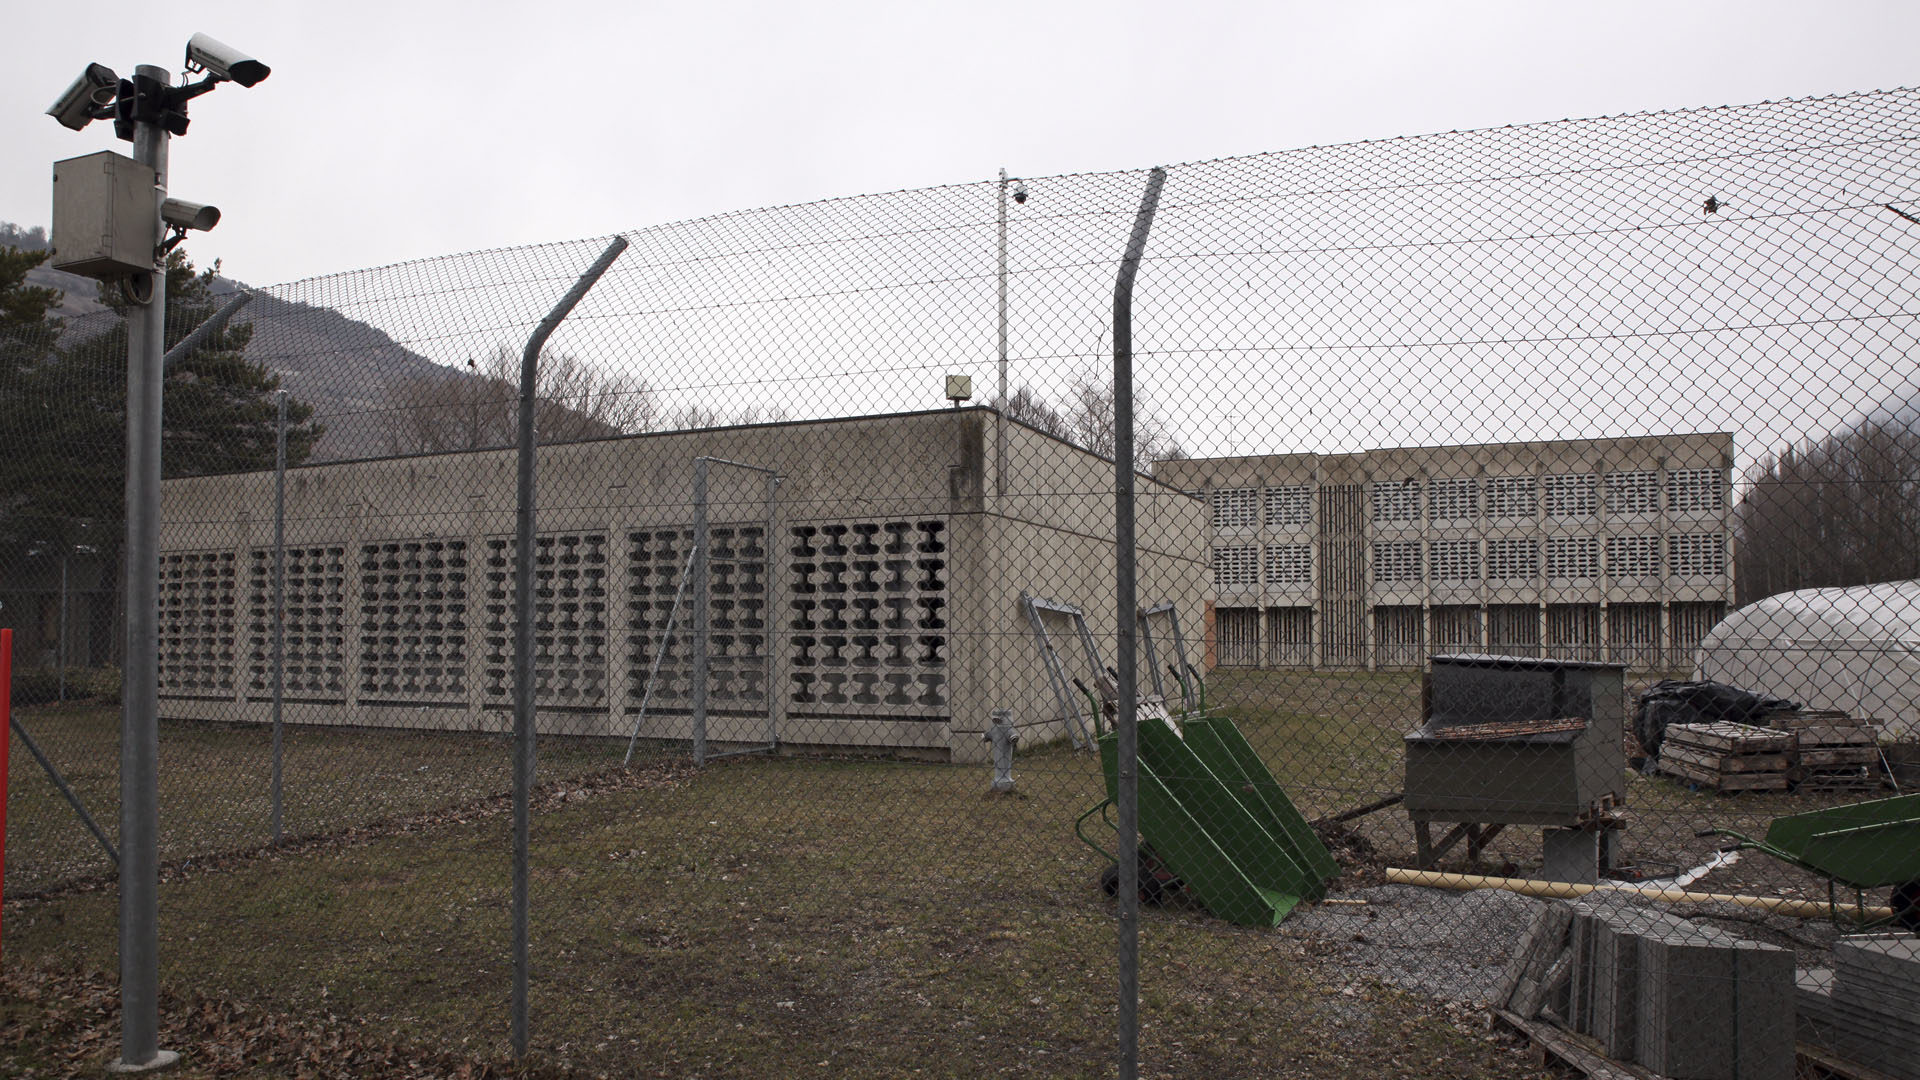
x=1464, y=461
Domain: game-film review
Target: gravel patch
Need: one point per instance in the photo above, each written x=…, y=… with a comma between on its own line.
x=1455, y=945
x=1450, y=945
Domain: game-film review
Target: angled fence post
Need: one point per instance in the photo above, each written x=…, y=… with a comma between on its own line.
x=1126, y=606
x=523, y=625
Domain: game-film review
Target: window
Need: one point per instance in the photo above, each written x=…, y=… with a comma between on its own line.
x=1572, y=495
x=1633, y=493
x=1513, y=497
x=1453, y=499
x=1694, y=491
x=1633, y=556
x=1236, y=566
x=1396, y=500
x=1233, y=508
x=1290, y=507
x=1289, y=564
x=1456, y=560
x=1513, y=559
x=1697, y=554
x=1573, y=557
x=1396, y=560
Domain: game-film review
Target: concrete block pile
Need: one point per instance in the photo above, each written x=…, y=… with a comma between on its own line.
x=1866, y=1008
x=1683, y=999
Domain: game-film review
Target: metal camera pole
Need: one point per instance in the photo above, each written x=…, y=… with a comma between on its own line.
x=1000, y=396
x=140, y=702
x=146, y=110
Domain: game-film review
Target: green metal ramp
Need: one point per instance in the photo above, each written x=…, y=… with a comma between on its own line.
x=1212, y=814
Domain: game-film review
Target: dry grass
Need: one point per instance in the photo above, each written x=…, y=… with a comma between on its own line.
x=215, y=785
x=764, y=916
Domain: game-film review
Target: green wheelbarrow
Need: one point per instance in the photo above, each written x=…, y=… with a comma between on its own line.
x=1864, y=846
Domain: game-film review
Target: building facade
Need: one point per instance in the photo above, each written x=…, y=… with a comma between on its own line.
x=1614, y=549
x=873, y=599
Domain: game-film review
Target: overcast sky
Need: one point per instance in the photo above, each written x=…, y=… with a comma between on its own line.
x=400, y=130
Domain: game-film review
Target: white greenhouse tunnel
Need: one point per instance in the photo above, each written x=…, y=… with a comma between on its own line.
x=1855, y=649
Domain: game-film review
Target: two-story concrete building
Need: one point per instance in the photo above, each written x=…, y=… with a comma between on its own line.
x=1584, y=549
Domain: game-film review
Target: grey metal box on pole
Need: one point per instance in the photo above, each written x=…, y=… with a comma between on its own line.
x=103, y=216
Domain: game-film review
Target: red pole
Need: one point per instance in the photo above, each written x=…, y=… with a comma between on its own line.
x=6, y=738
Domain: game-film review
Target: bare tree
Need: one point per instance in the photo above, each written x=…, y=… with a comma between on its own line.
x=1841, y=511
x=478, y=408
x=1085, y=419
x=699, y=416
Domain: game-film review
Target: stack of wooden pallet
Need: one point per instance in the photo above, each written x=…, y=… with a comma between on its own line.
x=1833, y=751
x=1728, y=757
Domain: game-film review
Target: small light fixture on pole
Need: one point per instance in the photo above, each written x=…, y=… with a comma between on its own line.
x=959, y=389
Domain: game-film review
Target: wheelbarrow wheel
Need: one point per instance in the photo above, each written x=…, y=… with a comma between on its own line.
x=1157, y=883
x=1906, y=906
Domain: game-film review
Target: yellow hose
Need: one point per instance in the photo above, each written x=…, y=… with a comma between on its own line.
x=1564, y=890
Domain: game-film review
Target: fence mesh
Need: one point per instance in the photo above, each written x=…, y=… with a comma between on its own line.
x=1463, y=462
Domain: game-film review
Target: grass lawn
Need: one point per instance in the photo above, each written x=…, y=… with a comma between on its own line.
x=215, y=784
x=764, y=918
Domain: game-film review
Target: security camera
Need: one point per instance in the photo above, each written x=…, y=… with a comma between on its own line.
x=182, y=214
x=1019, y=193
x=96, y=86
x=223, y=61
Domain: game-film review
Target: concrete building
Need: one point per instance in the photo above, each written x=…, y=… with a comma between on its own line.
x=871, y=600
x=1615, y=549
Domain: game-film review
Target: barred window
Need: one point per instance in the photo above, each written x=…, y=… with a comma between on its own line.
x=1290, y=507
x=1234, y=508
x=1697, y=554
x=1633, y=493
x=1454, y=498
x=1513, y=497
x=1289, y=564
x=1396, y=560
x=1236, y=565
x=1513, y=559
x=1575, y=557
x=1396, y=500
x=1456, y=560
x=1633, y=556
x=1572, y=495
x=1693, y=491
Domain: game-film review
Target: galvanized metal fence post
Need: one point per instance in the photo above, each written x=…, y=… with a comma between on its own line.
x=701, y=603
x=279, y=594
x=65, y=548
x=766, y=596
x=140, y=692
x=523, y=730
x=1126, y=607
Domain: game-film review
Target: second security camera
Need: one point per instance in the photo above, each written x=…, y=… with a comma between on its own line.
x=182, y=214
x=223, y=61
x=96, y=86
x=1019, y=193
